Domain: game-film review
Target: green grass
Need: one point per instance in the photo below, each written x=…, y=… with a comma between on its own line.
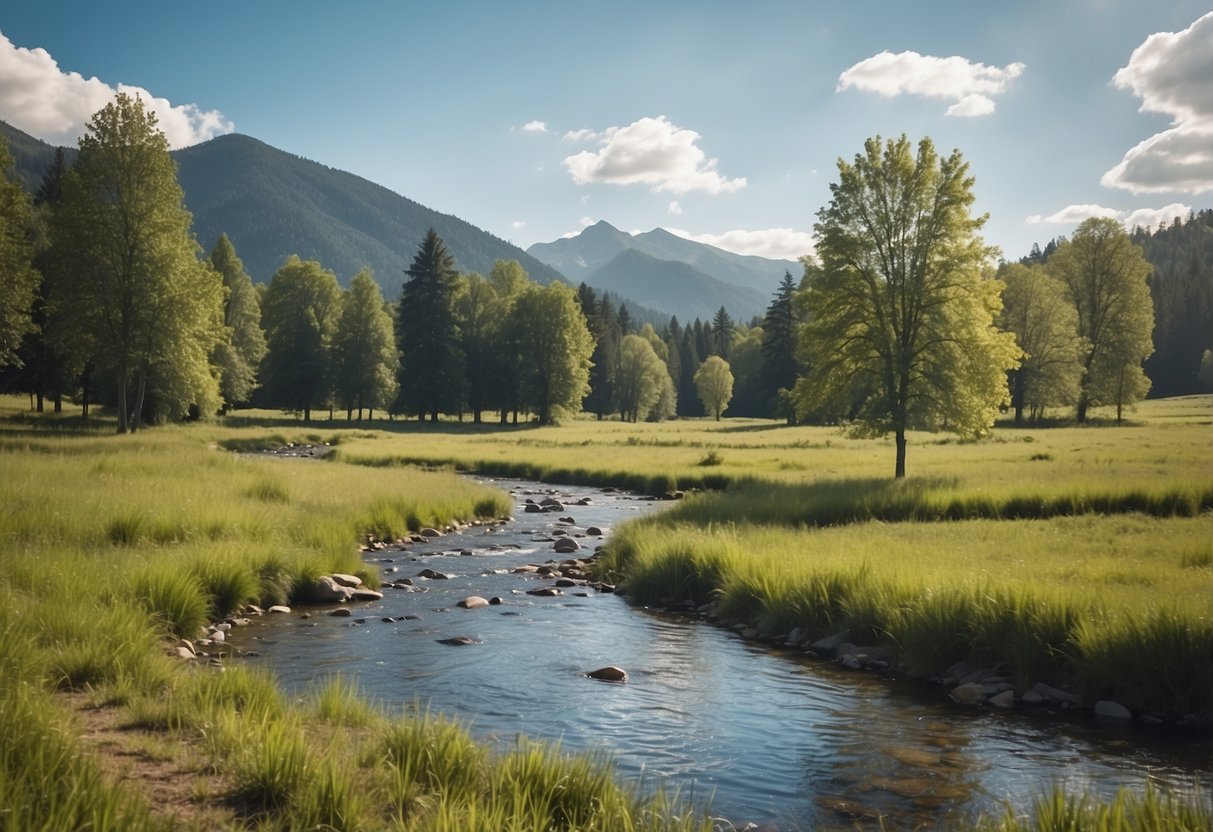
x=1079, y=555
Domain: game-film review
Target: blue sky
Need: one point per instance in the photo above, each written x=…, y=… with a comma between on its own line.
x=719, y=121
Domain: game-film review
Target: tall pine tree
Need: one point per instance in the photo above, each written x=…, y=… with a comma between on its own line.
x=431, y=378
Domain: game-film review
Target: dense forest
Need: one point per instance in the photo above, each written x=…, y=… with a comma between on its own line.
x=168, y=335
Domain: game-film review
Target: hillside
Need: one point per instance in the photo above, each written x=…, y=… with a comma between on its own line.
x=675, y=288
x=580, y=256
x=272, y=204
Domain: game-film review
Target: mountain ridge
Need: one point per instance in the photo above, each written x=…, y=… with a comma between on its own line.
x=272, y=203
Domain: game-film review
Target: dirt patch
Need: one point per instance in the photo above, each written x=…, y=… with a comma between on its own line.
x=167, y=770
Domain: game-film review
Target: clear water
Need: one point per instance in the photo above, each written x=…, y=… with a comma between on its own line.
x=769, y=736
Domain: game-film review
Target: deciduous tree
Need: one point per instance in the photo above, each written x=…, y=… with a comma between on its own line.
x=555, y=347
x=1045, y=325
x=900, y=317
x=127, y=277
x=714, y=382
x=300, y=310
x=364, y=348
x=642, y=376
x=1104, y=274
x=239, y=355
x=18, y=279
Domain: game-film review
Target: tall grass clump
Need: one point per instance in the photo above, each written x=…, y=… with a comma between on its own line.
x=1158, y=662
x=1149, y=811
x=228, y=584
x=174, y=597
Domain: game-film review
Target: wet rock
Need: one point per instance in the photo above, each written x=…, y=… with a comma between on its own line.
x=341, y=612
x=593, y=531
x=566, y=582
x=473, y=602
x=1032, y=698
x=610, y=673
x=528, y=569
x=829, y=645
x=532, y=508
x=362, y=594
x=429, y=532
x=970, y=693
x=183, y=652
x=458, y=641
x=346, y=580
x=432, y=575
x=565, y=545
x=495, y=601
x=1006, y=699
x=1056, y=695
x=325, y=590
x=545, y=592
x=1107, y=709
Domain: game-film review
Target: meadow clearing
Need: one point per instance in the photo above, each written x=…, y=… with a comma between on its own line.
x=1079, y=556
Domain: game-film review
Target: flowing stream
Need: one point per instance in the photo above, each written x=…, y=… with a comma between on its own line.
x=769, y=736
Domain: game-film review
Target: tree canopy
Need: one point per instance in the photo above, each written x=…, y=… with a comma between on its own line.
x=364, y=348
x=426, y=334
x=1104, y=275
x=300, y=310
x=18, y=279
x=714, y=381
x=127, y=273
x=901, y=317
x=239, y=354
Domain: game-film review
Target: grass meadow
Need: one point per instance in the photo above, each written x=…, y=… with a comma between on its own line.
x=1074, y=555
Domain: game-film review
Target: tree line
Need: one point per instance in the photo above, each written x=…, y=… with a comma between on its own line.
x=901, y=323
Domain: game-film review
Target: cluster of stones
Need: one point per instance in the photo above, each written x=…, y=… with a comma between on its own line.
x=212, y=644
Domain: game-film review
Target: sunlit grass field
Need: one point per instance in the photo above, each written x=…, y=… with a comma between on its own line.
x=1075, y=555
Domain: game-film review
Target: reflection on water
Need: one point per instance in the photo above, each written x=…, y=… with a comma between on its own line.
x=770, y=737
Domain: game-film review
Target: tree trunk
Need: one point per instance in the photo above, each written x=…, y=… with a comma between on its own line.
x=307, y=413
x=58, y=400
x=140, y=392
x=1082, y=409
x=900, y=470
x=122, y=412
x=38, y=396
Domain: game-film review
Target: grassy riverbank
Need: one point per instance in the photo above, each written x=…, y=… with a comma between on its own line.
x=114, y=546
x=1079, y=556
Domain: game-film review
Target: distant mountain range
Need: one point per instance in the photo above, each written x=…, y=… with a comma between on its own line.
x=667, y=272
x=272, y=204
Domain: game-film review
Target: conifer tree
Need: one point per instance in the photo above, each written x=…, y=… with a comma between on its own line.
x=780, y=369
x=364, y=349
x=426, y=335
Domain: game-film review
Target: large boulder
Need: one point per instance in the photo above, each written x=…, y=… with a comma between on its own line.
x=325, y=590
x=473, y=602
x=346, y=580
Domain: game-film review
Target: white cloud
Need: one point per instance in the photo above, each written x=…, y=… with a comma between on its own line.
x=582, y=135
x=38, y=97
x=1073, y=215
x=674, y=208
x=651, y=151
x=776, y=243
x=1172, y=73
x=518, y=224
x=1144, y=217
x=586, y=221
x=958, y=79
x=1153, y=217
x=535, y=127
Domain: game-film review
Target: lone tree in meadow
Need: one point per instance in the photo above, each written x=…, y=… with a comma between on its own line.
x=127, y=278
x=714, y=383
x=1104, y=275
x=900, y=329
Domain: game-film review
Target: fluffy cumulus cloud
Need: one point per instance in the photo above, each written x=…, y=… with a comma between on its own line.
x=1143, y=217
x=776, y=243
x=674, y=208
x=970, y=85
x=38, y=97
x=1172, y=73
x=535, y=127
x=651, y=151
